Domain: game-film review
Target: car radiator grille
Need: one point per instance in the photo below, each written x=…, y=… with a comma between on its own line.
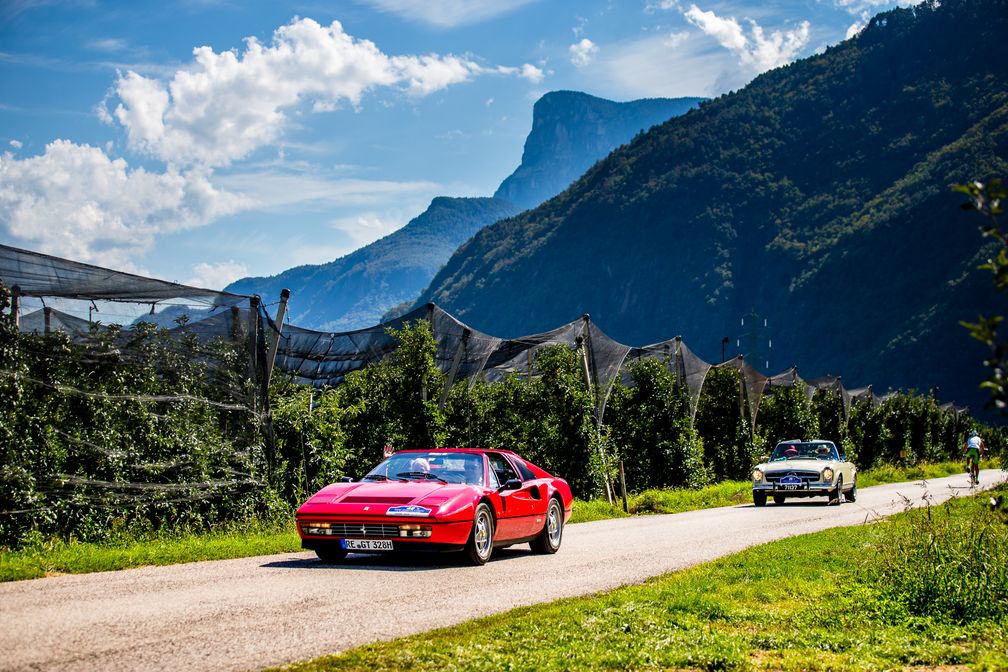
x=805, y=476
x=363, y=530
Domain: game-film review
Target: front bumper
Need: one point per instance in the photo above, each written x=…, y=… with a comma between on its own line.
x=819, y=489
x=327, y=532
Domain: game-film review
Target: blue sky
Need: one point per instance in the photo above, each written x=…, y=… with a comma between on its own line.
x=206, y=140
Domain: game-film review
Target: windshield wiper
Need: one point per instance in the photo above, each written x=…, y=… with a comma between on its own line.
x=376, y=477
x=425, y=475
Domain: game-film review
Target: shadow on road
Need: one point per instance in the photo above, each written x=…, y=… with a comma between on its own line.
x=395, y=562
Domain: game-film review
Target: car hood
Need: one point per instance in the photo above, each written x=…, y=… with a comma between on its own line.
x=796, y=465
x=376, y=498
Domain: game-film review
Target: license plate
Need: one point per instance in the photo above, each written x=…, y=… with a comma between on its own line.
x=791, y=483
x=366, y=544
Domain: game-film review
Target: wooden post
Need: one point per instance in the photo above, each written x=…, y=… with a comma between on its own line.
x=281, y=313
x=47, y=311
x=622, y=485
x=253, y=337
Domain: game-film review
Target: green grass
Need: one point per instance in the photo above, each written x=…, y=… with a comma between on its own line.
x=262, y=538
x=807, y=603
x=730, y=493
x=166, y=548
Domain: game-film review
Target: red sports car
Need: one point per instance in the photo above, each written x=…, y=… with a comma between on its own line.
x=467, y=499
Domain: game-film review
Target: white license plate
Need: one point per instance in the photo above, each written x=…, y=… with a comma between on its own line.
x=792, y=486
x=366, y=544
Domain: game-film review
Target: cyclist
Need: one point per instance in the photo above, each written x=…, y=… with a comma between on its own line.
x=974, y=450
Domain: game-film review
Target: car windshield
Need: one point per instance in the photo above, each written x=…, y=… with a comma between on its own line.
x=800, y=450
x=441, y=466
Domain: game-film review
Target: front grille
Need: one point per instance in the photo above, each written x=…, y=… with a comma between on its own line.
x=805, y=476
x=355, y=530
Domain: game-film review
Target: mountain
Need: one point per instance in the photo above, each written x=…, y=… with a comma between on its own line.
x=573, y=130
x=816, y=197
x=570, y=131
x=355, y=290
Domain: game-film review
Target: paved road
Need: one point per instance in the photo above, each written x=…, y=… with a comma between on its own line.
x=255, y=612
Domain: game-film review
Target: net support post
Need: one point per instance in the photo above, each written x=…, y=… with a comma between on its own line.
x=16, y=307
x=47, y=312
x=281, y=313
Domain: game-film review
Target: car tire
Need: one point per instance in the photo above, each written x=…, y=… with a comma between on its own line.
x=852, y=493
x=759, y=498
x=481, y=537
x=548, y=541
x=779, y=499
x=836, y=497
x=330, y=556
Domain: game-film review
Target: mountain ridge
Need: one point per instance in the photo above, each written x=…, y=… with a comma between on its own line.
x=799, y=197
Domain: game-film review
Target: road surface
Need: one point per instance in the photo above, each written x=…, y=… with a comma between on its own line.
x=257, y=612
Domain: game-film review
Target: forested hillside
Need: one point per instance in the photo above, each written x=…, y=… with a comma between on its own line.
x=817, y=196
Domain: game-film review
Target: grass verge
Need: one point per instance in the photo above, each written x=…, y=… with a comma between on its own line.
x=263, y=538
x=826, y=601
x=166, y=548
x=730, y=493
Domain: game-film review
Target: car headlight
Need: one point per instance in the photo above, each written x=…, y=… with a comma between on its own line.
x=757, y=476
x=827, y=475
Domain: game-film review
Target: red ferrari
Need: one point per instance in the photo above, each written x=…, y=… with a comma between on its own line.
x=466, y=499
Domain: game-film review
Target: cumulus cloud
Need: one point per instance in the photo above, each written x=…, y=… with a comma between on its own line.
x=217, y=276
x=448, y=13
x=582, y=53
x=226, y=105
x=756, y=50
x=16, y=144
x=74, y=201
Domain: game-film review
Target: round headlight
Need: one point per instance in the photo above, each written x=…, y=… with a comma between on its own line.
x=757, y=475
x=827, y=475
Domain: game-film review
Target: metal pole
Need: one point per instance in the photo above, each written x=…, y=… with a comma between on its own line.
x=47, y=311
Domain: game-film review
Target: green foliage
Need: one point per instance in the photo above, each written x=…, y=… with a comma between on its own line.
x=729, y=450
x=549, y=420
x=132, y=429
x=651, y=426
x=787, y=413
x=905, y=429
x=987, y=199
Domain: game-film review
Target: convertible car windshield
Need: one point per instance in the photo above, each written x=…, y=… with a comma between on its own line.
x=804, y=451
x=431, y=466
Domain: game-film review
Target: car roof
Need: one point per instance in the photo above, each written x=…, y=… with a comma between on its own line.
x=456, y=450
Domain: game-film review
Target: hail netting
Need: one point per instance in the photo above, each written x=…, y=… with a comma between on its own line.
x=126, y=398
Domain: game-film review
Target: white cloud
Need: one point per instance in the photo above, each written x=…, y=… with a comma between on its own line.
x=757, y=51
x=108, y=45
x=76, y=202
x=582, y=53
x=216, y=276
x=648, y=67
x=16, y=144
x=448, y=13
x=226, y=105
x=271, y=190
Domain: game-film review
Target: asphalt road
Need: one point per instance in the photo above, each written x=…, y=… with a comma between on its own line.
x=256, y=612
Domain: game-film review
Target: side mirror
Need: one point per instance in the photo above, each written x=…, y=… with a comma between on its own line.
x=511, y=484
x=346, y=479
x=764, y=458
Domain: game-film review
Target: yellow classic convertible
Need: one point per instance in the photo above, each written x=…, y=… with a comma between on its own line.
x=804, y=469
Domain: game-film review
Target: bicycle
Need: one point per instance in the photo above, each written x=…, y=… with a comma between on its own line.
x=973, y=469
